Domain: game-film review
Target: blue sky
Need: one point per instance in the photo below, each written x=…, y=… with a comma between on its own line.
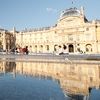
x=41, y=13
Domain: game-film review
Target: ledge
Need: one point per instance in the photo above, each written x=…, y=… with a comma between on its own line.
x=73, y=58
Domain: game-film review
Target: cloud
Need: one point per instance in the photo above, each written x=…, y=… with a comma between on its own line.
x=51, y=10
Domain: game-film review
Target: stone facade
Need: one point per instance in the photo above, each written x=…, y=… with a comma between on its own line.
x=73, y=29
x=7, y=39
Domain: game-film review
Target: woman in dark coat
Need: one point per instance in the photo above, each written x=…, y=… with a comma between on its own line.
x=26, y=49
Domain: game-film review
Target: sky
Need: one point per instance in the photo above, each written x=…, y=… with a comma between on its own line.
x=31, y=14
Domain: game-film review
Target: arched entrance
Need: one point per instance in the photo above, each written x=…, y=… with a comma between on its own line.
x=35, y=48
x=47, y=48
x=71, y=48
x=56, y=48
x=88, y=48
x=30, y=48
x=41, y=48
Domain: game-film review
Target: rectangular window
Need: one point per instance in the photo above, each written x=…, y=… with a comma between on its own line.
x=78, y=37
x=90, y=71
x=70, y=37
x=57, y=67
x=63, y=38
x=80, y=69
x=73, y=83
x=64, y=68
x=72, y=68
x=47, y=47
x=88, y=36
x=91, y=78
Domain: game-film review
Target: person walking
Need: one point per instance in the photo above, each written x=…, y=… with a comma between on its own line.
x=60, y=50
x=65, y=50
x=26, y=50
x=23, y=50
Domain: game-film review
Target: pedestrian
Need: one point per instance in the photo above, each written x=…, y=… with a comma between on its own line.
x=60, y=50
x=26, y=49
x=18, y=49
x=23, y=50
x=65, y=50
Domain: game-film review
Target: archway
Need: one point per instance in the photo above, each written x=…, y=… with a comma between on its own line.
x=47, y=48
x=30, y=48
x=35, y=48
x=56, y=48
x=71, y=48
x=41, y=48
x=88, y=48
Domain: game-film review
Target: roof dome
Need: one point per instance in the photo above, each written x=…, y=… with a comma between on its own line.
x=70, y=12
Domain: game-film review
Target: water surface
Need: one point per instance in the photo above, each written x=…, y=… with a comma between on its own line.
x=49, y=81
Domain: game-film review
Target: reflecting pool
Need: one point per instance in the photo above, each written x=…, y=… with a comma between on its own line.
x=49, y=81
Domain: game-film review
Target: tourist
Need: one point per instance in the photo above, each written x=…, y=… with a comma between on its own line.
x=65, y=50
x=26, y=49
x=23, y=50
x=60, y=50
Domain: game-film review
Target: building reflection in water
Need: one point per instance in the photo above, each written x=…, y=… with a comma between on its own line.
x=76, y=80
x=6, y=67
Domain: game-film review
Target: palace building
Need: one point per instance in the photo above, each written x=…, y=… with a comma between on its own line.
x=7, y=39
x=72, y=29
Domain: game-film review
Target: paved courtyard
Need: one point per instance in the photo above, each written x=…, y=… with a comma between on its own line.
x=47, y=57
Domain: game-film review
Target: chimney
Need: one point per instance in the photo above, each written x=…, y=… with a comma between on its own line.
x=82, y=10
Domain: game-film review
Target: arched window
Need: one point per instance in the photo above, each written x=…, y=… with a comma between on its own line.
x=70, y=38
x=40, y=48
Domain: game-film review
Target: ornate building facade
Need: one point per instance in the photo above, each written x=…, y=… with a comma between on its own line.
x=7, y=39
x=72, y=29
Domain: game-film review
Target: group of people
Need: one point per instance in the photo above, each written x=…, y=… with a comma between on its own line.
x=63, y=50
x=22, y=50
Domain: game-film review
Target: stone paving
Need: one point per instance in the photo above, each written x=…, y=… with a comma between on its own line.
x=42, y=57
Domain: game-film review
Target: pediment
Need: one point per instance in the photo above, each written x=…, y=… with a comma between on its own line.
x=70, y=21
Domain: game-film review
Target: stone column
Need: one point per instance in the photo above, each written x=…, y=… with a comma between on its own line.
x=4, y=41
